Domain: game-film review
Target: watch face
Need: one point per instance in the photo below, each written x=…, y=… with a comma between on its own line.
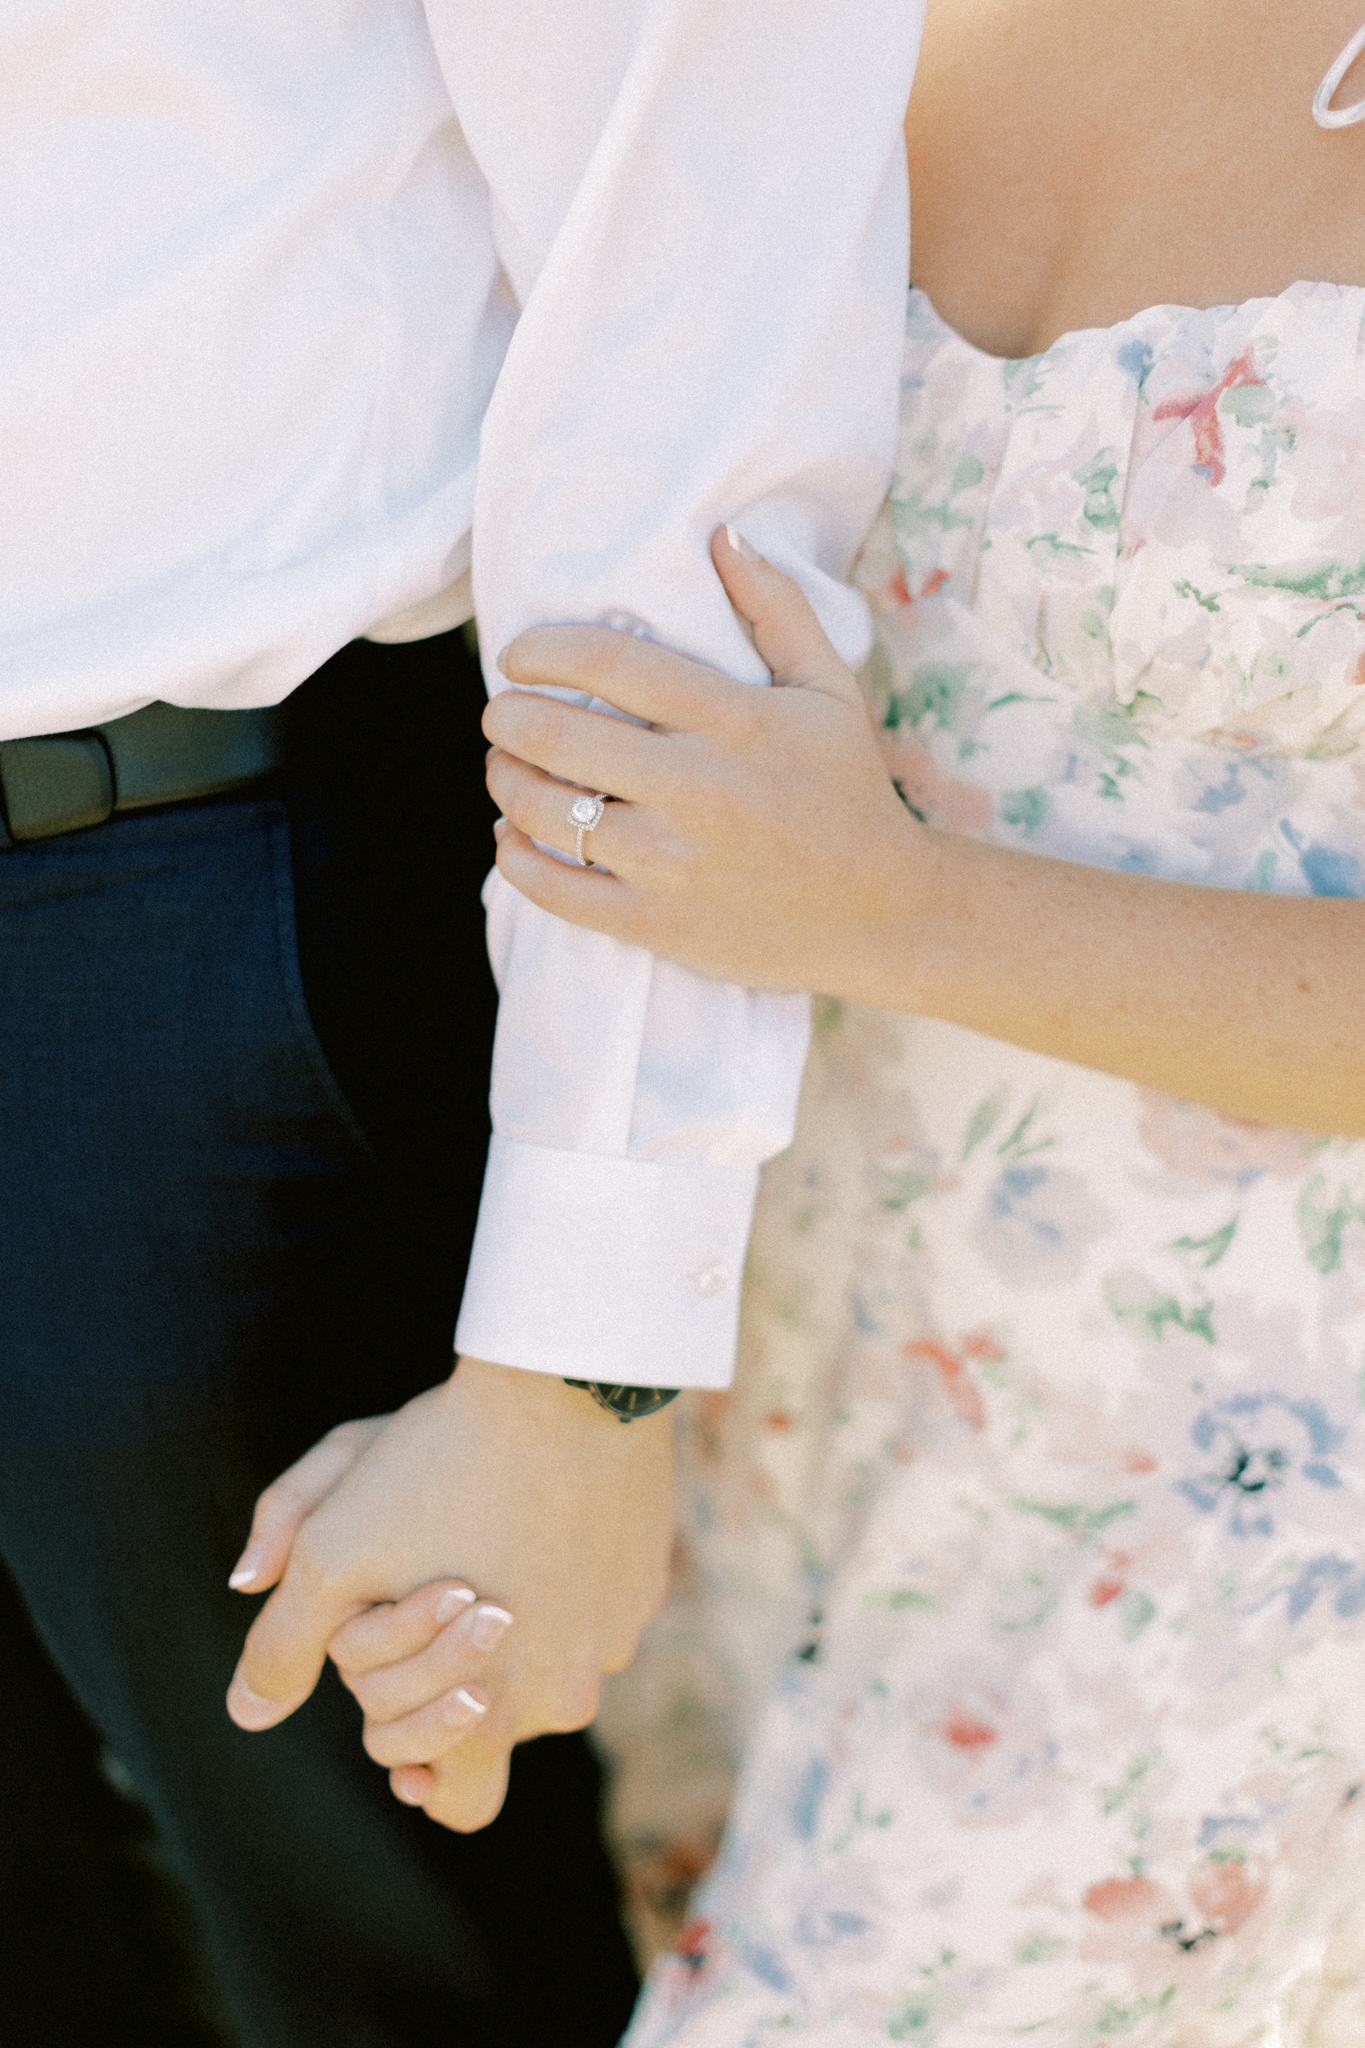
x=627, y=1402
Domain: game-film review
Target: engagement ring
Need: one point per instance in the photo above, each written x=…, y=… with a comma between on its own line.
x=585, y=812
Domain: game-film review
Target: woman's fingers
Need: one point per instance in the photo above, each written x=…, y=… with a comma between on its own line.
x=397, y=1629
x=428, y=1733
x=592, y=748
x=456, y=1655
x=638, y=676
x=539, y=806
x=787, y=634
x=286, y=1504
x=412, y=1783
x=593, y=899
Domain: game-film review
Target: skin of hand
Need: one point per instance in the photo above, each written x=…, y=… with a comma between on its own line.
x=508, y=1481
x=757, y=837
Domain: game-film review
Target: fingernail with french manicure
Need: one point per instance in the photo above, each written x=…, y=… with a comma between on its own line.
x=452, y=1602
x=740, y=545
x=488, y=1626
x=462, y=1708
x=249, y=1709
x=247, y=1567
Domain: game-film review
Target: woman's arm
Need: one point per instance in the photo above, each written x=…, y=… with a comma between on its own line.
x=759, y=839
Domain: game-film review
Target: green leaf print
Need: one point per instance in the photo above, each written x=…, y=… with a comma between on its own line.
x=1013, y=1147
x=982, y=1122
x=1113, y=2018
x=1025, y=809
x=914, y=514
x=1207, y=1251
x=903, y=1188
x=1185, y=589
x=935, y=690
x=1055, y=545
x=1331, y=580
x=1097, y=481
x=1147, y=1310
x=1113, y=1798
x=1112, y=728
x=900, y=1598
x=1251, y=405
x=1073, y=1515
x=1322, y=1228
x=1135, y=1611
x=1039, y=1948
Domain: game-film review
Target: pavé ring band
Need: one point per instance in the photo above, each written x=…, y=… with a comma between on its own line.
x=585, y=814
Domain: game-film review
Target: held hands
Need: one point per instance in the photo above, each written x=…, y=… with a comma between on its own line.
x=503, y=1480
x=756, y=835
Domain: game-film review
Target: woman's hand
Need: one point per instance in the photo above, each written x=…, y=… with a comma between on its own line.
x=415, y=1665
x=755, y=836
x=759, y=839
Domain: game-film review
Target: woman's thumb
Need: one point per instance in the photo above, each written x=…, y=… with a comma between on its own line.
x=787, y=634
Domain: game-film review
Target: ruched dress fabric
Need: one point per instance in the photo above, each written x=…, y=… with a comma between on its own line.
x=1024, y=1567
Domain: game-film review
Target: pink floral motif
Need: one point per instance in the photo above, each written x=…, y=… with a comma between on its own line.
x=1201, y=410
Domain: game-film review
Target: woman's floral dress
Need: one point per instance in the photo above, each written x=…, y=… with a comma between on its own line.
x=1026, y=1561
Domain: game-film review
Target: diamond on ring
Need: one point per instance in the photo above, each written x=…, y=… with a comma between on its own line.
x=585, y=813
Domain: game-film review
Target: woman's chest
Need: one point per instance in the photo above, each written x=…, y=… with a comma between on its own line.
x=1072, y=163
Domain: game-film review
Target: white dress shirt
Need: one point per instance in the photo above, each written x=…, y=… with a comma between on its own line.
x=296, y=301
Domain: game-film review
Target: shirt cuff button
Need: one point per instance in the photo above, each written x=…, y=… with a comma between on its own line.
x=711, y=1280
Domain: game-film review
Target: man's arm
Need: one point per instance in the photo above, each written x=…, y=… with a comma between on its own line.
x=701, y=209
x=711, y=329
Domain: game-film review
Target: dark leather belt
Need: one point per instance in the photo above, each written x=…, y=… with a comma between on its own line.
x=163, y=754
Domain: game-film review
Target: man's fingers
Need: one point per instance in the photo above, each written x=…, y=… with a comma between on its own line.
x=286, y=1504
x=395, y=1630
x=466, y=1799
x=638, y=676
x=284, y=1652
x=787, y=634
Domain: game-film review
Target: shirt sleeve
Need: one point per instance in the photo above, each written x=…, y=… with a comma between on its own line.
x=701, y=209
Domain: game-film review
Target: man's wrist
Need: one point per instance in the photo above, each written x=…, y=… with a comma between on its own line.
x=539, y=1402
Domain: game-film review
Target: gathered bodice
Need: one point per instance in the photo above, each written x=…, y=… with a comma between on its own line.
x=1120, y=589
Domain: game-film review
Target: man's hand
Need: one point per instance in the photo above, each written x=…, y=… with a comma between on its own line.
x=511, y=1481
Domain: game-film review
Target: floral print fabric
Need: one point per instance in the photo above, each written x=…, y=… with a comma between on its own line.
x=1026, y=1560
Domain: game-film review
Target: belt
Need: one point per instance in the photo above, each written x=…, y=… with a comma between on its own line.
x=163, y=754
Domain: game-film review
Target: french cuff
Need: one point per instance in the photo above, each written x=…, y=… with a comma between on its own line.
x=601, y=1268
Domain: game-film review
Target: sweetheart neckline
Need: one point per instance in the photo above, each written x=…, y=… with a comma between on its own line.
x=1146, y=312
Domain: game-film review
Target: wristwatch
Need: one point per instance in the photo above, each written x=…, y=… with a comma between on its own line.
x=627, y=1404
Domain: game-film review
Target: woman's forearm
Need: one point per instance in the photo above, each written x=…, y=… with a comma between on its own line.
x=760, y=840
x=1252, y=1004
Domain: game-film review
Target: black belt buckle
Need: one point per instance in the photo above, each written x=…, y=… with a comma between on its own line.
x=61, y=782
x=164, y=754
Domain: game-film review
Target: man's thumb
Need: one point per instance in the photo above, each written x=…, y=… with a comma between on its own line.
x=787, y=635
x=283, y=1656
